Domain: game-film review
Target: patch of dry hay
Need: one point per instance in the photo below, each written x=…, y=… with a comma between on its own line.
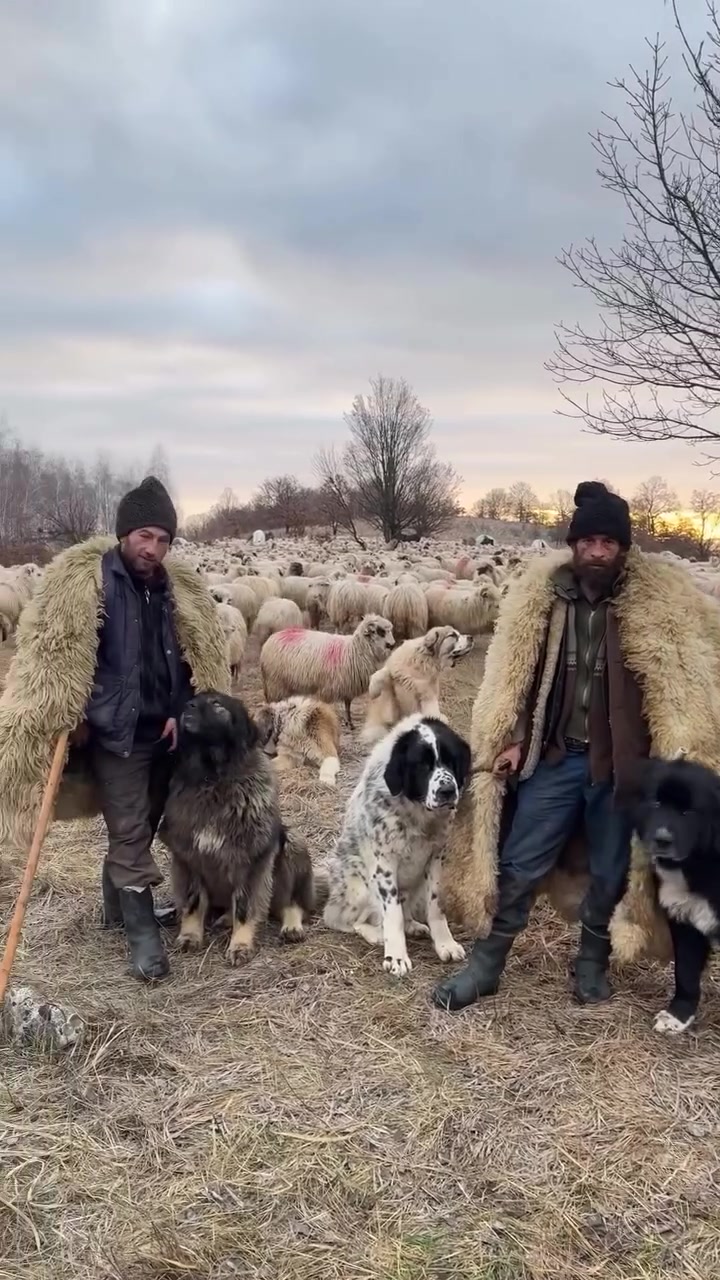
x=307, y=1117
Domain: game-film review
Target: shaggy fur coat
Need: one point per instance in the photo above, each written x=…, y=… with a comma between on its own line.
x=51, y=676
x=669, y=633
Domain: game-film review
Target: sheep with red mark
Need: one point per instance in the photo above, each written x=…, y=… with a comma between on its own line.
x=333, y=668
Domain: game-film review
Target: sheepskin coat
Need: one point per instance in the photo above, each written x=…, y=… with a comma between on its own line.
x=52, y=671
x=669, y=633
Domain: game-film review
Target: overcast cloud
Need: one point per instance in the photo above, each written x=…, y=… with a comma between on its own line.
x=219, y=219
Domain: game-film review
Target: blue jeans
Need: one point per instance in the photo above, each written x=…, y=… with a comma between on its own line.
x=550, y=806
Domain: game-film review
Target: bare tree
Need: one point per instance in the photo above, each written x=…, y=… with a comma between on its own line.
x=69, y=504
x=494, y=505
x=653, y=500
x=286, y=502
x=653, y=363
x=523, y=502
x=562, y=505
x=337, y=498
x=402, y=488
x=159, y=467
x=705, y=506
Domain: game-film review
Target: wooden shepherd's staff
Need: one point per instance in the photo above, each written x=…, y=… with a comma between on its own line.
x=31, y=865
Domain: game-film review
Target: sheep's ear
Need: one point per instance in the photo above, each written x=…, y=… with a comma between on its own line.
x=396, y=768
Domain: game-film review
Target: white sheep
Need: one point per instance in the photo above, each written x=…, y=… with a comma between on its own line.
x=264, y=588
x=334, y=668
x=347, y=605
x=296, y=588
x=11, y=602
x=276, y=615
x=407, y=608
x=376, y=594
x=316, y=601
x=246, y=600
x=235, y=630
x=471, y=612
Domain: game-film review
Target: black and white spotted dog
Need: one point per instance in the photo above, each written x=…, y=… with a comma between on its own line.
x=676, y=815
x=384, y=874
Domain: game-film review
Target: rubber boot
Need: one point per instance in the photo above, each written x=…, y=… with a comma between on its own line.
x=112, y=916
x=480, y=977
x=147, y=952
x=591, y=964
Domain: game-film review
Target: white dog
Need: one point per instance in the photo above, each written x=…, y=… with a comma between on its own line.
x=384, y=875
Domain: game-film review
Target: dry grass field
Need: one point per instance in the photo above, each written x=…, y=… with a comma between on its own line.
x=309, y=1118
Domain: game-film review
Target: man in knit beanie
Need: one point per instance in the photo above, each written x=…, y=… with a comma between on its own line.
x=140, y=686
x=119, y=636
x=582, y=720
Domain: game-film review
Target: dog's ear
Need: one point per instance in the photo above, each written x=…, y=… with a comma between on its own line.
x=397, y=766
x=264, y=723
x=432, y=640
x=635, y=782
x=461, y=758
x=244, y=728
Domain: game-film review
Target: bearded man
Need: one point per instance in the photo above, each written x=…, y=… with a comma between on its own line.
x=112, y=646
x=597, y=661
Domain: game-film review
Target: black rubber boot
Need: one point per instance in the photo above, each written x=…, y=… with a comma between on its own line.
x=147, y=952
x=591, y=965
x=112, y=916
x=480, y=977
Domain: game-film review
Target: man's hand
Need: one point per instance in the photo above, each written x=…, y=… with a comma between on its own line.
x=508, y=761
x=170, y=731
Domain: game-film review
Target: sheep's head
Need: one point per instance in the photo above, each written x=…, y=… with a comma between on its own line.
x=378, y=634
x=221, y=595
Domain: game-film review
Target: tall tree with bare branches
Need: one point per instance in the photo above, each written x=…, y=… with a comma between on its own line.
x=651, y=367
x=402, y=488
x=653, y=499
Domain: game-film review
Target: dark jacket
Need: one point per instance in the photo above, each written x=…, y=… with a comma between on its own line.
x=133, y=693
x=615, y=726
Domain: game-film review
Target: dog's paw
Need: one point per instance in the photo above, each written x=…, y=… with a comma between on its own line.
x=666, y=1024
x=189, y=942
x=398, y=966
x=450, y=951
x=329, y=770
x=237, y=956
x=414, y=929
x=292, y=935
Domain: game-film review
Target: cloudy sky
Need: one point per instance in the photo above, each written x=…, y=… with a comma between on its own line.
x=219, y=218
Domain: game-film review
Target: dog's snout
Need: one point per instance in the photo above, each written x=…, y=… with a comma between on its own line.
x=663, y=838
x=446, y=793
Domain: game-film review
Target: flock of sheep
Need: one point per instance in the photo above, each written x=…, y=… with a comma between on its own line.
x=323, y=627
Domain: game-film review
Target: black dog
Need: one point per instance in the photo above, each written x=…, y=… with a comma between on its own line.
x=676, y=816
x=222, y=826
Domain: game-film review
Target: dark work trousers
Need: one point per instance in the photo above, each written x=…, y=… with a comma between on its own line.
x=551, y=805
x=133, y=792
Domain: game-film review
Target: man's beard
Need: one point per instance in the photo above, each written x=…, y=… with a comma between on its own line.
x=598, y=578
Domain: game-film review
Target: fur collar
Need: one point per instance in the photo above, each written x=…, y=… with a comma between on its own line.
x=51, y=674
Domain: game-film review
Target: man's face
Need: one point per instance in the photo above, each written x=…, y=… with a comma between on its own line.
x=597, y=561
x=145, y=549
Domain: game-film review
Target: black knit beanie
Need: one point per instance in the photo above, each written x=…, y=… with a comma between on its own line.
x=150, y=505
x=600, y=513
